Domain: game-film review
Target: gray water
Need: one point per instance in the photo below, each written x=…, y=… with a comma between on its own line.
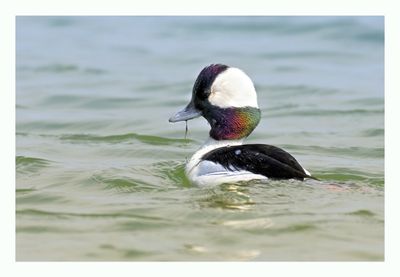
x=100, y=171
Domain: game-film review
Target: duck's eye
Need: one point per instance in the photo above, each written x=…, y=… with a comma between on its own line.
x=200, y=89
x=203, y=94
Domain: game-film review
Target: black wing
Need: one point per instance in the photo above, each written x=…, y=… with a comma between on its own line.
x=266, y=160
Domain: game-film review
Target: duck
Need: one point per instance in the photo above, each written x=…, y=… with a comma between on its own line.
x=226, y=97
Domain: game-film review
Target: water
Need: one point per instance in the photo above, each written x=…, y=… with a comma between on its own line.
x=100, y=171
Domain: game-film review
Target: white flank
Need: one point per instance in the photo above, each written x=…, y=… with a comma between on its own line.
x=209, y=173
x=233, y=88
x=306, y=171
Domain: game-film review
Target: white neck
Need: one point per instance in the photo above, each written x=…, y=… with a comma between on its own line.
x=209, y=145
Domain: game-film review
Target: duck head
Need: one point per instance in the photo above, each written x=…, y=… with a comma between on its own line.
x=225, y=96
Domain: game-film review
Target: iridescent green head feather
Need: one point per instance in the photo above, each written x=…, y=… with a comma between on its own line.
x=232, y=123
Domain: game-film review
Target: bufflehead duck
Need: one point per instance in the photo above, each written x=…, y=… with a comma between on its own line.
x=225, y=96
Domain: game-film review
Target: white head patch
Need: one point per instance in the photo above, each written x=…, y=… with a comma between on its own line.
x=233, y=88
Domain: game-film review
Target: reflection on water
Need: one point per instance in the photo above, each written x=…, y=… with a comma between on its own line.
x=257, y=223
x=227, y=196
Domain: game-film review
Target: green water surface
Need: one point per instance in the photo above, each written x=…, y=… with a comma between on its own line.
x=100, y=171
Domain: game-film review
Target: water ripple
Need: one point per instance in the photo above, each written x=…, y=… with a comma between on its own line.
x=60, y=68
x=148, y=139
x=123, y=183
x=26, y=165
x=357, y=151
x=326, y=112
x=127, y=214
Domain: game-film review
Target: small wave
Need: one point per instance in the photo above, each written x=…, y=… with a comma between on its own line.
x=268, y=227
x=362, y=213
x=43, y=229
x=123, y=183
x=283, y=107
x=61, y=21
x=294, y=228
x=172, y=171
x=39, y=196
x=26, y=165
x=23, y=191
x=248, y=224
x=283, y=91
x=20, y=107
x=62, y=100
x=309, y=55
x=112, y=102
x=159, y=176
x=57, y=68
x=134, y=253
x=354, y=151
x=60, y=214
x=371, y=36
x=320, y=112
x=22, y=134
x=40, y=125
x=62, y=68
x=365, y=36
x=148, y=139
x=286, y=68
x=371, y=101
x=351, y=177
x=373, y=132
x=275, y=25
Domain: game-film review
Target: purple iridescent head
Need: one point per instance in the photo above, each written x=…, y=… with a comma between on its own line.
x=226, y=97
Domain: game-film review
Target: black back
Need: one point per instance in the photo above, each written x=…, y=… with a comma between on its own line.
x=263, y=159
